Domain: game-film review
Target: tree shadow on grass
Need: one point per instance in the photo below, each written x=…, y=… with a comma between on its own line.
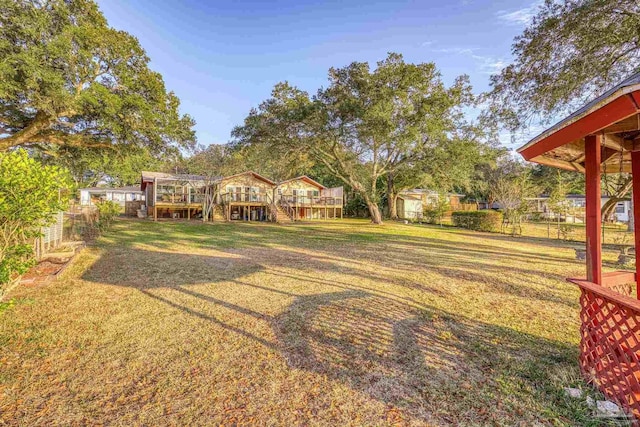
x=144, y=269
x=434, y=366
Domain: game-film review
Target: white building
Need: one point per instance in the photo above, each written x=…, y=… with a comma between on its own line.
x=578, y=202
x=93, y=195
x=412, y=203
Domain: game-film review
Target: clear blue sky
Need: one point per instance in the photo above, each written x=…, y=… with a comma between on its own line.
x=223, y=57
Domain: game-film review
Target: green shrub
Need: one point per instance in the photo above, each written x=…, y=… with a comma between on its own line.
x=29, y=199
x=107, y=212
x=488, y=220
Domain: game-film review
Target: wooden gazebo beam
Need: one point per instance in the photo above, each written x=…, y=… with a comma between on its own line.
x=589, y=141
x=593, y=155
x=615, y=111
x=635, y=176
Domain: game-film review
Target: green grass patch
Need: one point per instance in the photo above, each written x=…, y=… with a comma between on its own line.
x=321, y=323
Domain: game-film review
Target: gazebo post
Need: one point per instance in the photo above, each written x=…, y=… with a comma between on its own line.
x=594, y=218
x=635, y=175
x=609, y=316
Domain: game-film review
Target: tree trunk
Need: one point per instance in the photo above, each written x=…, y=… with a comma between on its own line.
x=392, y=198
x=394, y=206
x=374, y=211
x=609, y=206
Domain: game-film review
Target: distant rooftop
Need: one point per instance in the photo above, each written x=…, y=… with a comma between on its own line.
x=150, y=176
x=125, y=189
x=427, y=192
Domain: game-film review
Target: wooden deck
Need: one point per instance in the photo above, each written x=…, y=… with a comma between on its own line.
x=188, y=207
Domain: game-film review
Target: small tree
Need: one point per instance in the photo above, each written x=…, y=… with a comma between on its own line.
x=510, y=191
x=437, y=210
x=107, y=212
x=557, y=201
x=29, y=197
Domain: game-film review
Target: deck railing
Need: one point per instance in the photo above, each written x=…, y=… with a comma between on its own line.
x=300, y=200
x=610, y=338
x=179, y=198
x=245, y=197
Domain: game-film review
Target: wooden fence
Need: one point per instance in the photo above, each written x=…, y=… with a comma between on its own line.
x=131, y=207
x=610, y=339
x=52, y=236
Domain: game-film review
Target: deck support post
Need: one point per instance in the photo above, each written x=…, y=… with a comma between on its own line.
x=155, y=199
x=188, y=213
x=635, y=175
x=593, y=156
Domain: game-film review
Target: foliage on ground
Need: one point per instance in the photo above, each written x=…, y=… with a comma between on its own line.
x=328, y=323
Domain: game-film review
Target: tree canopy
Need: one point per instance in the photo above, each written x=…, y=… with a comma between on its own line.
x=365, y=124
x=68, y=79
x=571, y=52
x=90, y=166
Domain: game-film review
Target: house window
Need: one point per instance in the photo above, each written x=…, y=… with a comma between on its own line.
x=316, y=193
x=620, y=208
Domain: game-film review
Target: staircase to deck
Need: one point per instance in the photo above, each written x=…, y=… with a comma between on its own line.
x=280, y=213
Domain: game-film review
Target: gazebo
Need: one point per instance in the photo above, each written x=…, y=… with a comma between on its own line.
x=603, y=137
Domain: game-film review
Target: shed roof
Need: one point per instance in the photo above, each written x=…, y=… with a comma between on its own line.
x=613, y=115
x=417, y=192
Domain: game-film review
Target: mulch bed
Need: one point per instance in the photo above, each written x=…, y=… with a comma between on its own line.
x=42, y=273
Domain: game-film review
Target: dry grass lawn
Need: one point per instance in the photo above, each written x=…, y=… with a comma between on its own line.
x=329, y=323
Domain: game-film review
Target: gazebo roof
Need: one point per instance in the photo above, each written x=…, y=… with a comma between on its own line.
x=613, y=115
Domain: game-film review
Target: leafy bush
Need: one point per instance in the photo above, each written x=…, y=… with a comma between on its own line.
x=477, y=220
x=434, y=212
x=566, y=231
x=16, y=260
x=29, y=198
x=107, y=212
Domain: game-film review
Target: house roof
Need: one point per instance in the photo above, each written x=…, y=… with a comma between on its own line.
x=306, y=179
x=410, y=196
x=255, y=175
x=614, y=115
x=125, y=189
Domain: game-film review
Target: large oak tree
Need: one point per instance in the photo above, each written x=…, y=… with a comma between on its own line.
x=572, y=51
x=365, y=124
x=68, y=79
